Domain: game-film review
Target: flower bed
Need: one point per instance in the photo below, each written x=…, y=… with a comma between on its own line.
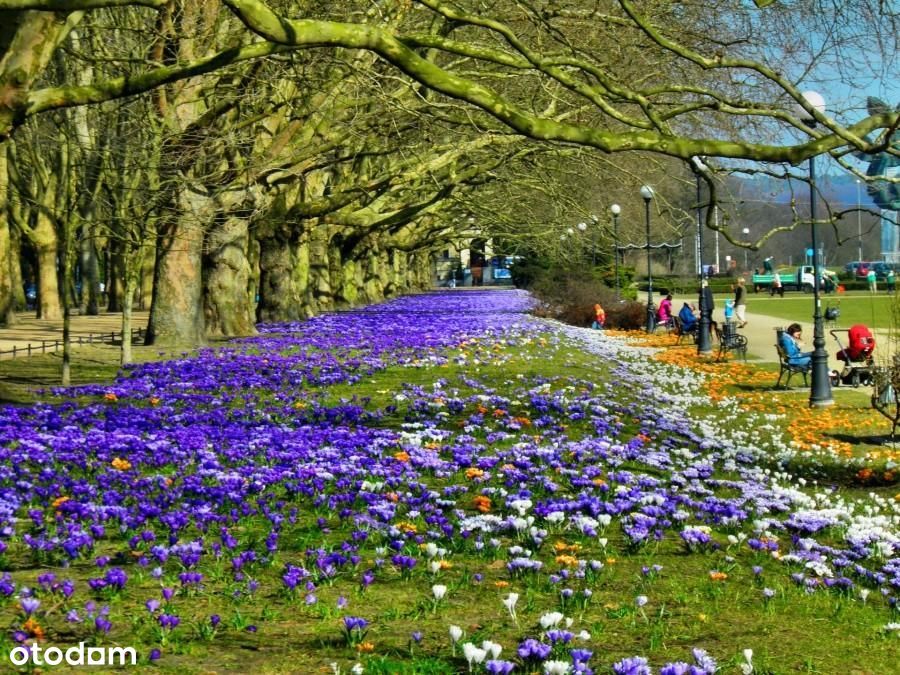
x=436, y=484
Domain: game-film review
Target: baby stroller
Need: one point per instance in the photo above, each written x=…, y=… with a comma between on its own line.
x=857, y=356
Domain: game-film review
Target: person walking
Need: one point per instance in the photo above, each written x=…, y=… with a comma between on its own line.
x=891, y=281
x=740, y=302
x=872, y=278
x=777, y=286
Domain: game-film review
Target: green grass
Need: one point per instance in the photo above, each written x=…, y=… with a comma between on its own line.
x=826, y=632
x=858, y=307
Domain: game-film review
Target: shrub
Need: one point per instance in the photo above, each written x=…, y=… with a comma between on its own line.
x=570, y=295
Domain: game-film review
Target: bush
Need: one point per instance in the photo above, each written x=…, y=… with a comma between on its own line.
x=569, y=296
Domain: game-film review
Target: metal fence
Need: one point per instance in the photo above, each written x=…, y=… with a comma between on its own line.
x=51, y=346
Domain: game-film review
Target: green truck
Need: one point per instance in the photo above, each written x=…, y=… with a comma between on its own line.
x=792, y=278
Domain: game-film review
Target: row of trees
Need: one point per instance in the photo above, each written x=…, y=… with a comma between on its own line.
x=270, y=160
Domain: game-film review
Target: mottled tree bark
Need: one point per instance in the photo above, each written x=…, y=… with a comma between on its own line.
x=227, y=301
x=46, y=249
x=7, y=296
x=283, y=279
x=176, y=310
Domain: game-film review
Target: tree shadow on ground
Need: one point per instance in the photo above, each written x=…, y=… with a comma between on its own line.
x=866, y=439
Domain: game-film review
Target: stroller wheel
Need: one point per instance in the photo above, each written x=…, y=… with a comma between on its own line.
x=854, y=379
x=835, y=378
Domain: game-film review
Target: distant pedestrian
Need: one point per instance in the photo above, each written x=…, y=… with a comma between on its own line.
x=740, y=302
x=890, y=281
x=872, y=278
x=777, y=286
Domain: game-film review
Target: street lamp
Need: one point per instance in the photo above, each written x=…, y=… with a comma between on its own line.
x=596, y=223
x=858, y=221
x=615, y=210
x=820, y=390
x=704, y=343
x=582, y=227
x=746, y=232
x=647, y=195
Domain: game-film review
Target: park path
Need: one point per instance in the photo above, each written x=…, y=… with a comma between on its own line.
x=760, y=330
x=30, y=330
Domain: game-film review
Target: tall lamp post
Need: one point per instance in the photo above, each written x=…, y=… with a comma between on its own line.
x=582, y=227
x=858, y=221
x=647, y=195
x=595, y=221
x=615, y=210
x=820, y=390
x=704, y=343
x=746, y=232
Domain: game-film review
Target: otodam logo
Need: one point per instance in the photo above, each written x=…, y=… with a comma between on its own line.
x=79, y=655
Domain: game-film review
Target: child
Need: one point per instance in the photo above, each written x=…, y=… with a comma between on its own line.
x=599, y=317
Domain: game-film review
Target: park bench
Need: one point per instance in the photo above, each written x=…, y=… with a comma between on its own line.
x=670, y=325
x=787, y=367
x=693, y=333
x=730, y=341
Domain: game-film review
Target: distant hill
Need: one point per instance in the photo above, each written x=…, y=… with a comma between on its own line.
x=836, y=190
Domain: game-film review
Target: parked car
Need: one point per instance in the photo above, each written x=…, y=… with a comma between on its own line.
x=851, y=267
x=881, y=269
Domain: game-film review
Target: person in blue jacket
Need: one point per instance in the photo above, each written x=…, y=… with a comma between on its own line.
x=688, y=318
x=791, y=343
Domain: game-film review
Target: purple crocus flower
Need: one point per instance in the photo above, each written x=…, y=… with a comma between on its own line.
x=495, y=667
x=533, y=650
x=29, y=605
x=634, y=665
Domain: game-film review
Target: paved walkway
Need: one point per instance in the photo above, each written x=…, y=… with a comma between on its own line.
x=33, y=331
x=760, y=331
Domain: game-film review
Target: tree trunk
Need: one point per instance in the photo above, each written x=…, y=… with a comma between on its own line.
x=125, y=353
x=176, y=310
x=321, y=296
x=115, y=273
x=7, y=296
x=90, y=272
x=143, y=295
x=283, y=279
x=228, y=311
x=372, y=281
x=15, y=261
x=46, y=248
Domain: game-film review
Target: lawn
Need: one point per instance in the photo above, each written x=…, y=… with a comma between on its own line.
x=875, y=311
x=442, y=484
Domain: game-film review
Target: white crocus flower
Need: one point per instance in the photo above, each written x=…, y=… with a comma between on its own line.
x=455, y=633
x=551, y=619
x=556, y=667
x=492, y=648
x=473, y=655
x=510, y=603
x=747, y=668
x=439, y=591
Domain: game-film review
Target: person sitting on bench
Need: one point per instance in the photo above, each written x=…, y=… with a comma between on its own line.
x=688, y=318
x=790, y=342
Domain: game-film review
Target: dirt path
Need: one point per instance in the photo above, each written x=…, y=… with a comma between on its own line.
x=33, y=331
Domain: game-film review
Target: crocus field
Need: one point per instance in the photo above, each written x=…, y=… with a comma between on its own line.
x=438, y=484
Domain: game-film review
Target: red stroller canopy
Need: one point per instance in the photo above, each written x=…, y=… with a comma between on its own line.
x=861, y=344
